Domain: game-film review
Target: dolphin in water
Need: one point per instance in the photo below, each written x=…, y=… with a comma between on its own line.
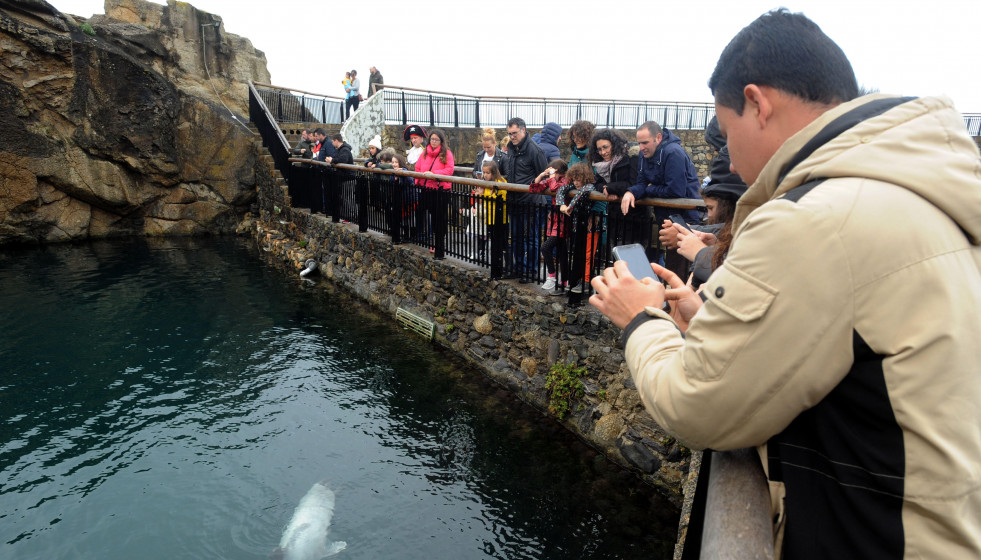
x=305, y=538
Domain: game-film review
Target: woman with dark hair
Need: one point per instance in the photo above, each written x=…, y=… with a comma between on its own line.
x=580, y=133
x=616, y=171
x=436, y=159
x=704, y=248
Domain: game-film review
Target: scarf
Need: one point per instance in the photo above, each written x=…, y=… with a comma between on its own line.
x=605, y=168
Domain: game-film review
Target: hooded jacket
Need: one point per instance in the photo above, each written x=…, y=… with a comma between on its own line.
x=549, y=140
x=840, y=336
x=669, y=173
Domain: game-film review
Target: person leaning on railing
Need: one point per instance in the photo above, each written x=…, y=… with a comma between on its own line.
x=490, y=152
x=436, y=159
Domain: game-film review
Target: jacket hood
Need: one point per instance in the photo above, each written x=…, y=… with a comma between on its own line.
x=918, y=144
x=713, y=135
x=551, y=133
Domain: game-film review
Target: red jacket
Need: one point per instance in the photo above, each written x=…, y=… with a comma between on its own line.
x=429, y=161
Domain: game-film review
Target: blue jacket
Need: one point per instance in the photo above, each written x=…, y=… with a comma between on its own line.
x=548, y=139
x=669, y=173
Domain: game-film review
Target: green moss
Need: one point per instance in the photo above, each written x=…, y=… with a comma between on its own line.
x=564, y=385
x=87, y=29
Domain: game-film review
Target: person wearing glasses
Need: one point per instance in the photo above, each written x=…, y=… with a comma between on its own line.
x=526, y=211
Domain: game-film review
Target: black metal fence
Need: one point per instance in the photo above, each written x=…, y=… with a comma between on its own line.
x=474, y=221
x=296, y=106
x=973, y=123
x=404, y=106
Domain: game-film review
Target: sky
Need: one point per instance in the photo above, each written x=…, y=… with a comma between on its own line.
x=598, y=49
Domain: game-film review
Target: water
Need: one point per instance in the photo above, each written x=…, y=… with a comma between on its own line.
x=176, y=399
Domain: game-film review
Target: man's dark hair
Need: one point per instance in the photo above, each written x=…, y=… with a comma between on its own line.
x=516, y=121
x=320, y=132
x=653, y=128
x=337, y=136
x=787, y=52
x=307, y=130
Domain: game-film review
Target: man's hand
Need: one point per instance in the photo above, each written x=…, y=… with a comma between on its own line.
x=627, y=203
x=683, y=301
x=620, y=296
x=689, y=244
x=668, y=236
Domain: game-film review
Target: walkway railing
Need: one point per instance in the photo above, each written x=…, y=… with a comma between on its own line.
x=294, y=105
x=405, y=105
x=973, y=123
x=504, y=235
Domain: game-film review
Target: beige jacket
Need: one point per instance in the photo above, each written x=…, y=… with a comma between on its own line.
x=843, y=337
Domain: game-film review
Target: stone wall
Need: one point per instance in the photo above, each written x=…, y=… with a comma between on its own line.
x=508, y=331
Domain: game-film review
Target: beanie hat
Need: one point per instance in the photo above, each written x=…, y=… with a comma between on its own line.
x=724, y=183
x=376, y=142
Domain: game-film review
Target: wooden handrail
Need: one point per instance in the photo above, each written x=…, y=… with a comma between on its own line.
x=681, y=203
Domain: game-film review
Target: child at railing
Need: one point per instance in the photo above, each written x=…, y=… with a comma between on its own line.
x=551, y=181
x=581, y=177
x=484, y=211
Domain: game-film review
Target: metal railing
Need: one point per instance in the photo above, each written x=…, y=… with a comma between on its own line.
x=405, y=105
x=973, y=123
x=475, y=225
x=294, y=105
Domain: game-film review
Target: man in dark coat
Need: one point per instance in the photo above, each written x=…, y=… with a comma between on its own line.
x=526, y=212
x=374, y=77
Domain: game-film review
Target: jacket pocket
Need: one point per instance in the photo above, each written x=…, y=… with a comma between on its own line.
x=739, y=294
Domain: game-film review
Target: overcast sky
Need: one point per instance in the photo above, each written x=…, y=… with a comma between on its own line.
x=607, y=49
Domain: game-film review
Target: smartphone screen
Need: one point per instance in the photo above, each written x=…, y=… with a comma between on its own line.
x=636, y=259
x=676, y=218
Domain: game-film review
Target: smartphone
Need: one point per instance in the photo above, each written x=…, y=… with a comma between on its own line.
x=636, y=258
x=676, y=218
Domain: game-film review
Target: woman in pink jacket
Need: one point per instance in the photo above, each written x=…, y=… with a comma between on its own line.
x=436, y=159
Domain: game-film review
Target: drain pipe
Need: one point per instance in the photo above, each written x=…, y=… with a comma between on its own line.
x=309, y=267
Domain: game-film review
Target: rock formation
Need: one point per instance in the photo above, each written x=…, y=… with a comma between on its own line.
x=111, y=126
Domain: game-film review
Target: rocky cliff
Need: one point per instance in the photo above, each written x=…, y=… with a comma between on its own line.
x=111, y=126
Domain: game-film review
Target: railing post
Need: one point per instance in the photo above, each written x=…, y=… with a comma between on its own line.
x=456, y=114
x=498, y=238
x=578, y=256
x=432, y=112
x=333, y=195
x=279, y=105
x=405, y=114
x=579, y=110
x=361, y=190
x=544, y=112
x=476, y=113
x=440, y=221
x=323, y=110
x=395, y=209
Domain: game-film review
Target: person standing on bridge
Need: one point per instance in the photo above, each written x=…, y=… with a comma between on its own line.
x=840, y=335
x=664, y=170
x=353, y=90
x=526, y=212
x=375, y=81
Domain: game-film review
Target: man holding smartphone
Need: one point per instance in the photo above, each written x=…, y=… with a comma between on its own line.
x=837, y=339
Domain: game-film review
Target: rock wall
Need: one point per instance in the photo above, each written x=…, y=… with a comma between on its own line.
x=113, y=133
x=508, y=331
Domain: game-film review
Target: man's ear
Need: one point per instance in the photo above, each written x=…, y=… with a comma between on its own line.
x=759, y=102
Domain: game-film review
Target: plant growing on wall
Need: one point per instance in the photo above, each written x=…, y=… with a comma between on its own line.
x=564, y=384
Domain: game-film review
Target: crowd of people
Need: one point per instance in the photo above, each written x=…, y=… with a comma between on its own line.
x=538, y=242
x=826, y=314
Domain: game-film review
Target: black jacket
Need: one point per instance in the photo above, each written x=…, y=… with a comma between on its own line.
x=500, y=158
x=525, y=162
